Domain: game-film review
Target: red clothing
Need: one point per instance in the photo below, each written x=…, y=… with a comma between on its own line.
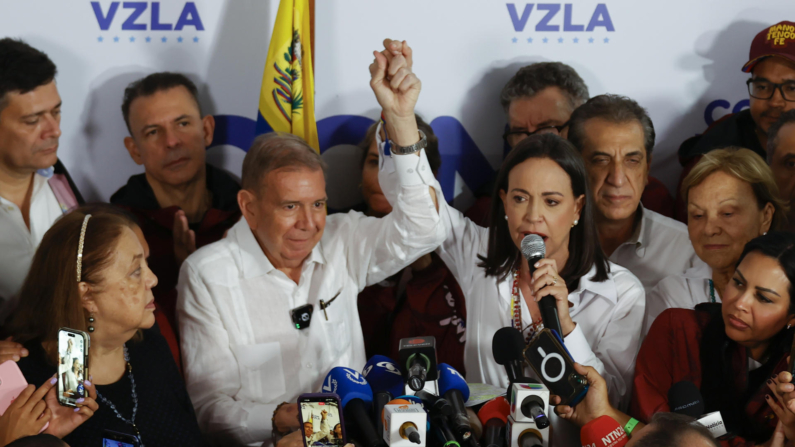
x=434, y=305
x=671, y=353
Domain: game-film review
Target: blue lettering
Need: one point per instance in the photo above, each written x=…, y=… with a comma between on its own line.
x=567, y=25
x=138, y=9
x=104, y=20
x=543, y=24
x=718, y=103
x=156, y=25
x=519, y=22
x=600, y=17
x=189, y=17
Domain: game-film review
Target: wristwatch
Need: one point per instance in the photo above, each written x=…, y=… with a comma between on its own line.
x=406, y=150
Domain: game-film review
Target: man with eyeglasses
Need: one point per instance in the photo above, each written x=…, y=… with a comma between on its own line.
x=540, y=98
x=771, y=89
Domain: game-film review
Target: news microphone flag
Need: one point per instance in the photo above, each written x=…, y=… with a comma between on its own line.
x=603, y=431
x=287, y=95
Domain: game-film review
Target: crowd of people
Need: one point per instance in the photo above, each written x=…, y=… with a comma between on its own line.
x=188, y=279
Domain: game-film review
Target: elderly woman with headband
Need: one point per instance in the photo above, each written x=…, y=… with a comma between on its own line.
x=90, y=273
x=731, y=198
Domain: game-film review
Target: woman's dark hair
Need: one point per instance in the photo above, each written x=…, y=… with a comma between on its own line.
x=669, y=430
x=720, y=386
x=584, y=250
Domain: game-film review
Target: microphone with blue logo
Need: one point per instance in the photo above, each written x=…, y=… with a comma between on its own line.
x=386, y=382
x=356, y=398
x=456, y=391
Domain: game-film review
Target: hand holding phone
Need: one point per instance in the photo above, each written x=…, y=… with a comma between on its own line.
x=64, y=418
x=550, y=360
x=26, y=413
x=73, y=348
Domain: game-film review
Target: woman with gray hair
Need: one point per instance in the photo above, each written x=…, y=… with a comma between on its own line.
x=731, y=198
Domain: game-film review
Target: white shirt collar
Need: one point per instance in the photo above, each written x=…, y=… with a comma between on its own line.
x=605, y=289
x=699, y=271
x=253, y=260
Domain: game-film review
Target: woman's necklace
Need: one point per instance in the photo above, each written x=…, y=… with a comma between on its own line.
x=516, y=312
x=134, y=396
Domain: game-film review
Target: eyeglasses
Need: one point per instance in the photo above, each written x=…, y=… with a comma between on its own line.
x=761, y=89
x=513, y=137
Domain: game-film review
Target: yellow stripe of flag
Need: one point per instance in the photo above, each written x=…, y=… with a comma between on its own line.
x=287, y=96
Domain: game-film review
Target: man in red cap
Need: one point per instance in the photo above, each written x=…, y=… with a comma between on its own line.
x=772, y=92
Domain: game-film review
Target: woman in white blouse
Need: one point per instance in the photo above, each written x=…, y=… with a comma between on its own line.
x=731, y=198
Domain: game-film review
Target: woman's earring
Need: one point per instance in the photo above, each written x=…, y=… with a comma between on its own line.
x=91, y=323
x=765, y=234
x=575, y=223
x=506, y=217
x=789, y=326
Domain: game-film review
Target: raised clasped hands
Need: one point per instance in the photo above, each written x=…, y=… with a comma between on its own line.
x=397, y=89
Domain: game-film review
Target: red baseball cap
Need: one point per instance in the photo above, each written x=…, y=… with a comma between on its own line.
x=778, y=40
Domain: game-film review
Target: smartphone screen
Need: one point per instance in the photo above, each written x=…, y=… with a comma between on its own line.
x=72, y=368
x=112, y=438
x=321, y=420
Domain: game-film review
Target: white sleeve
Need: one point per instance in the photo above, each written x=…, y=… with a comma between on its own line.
x=463, y=239
x=378, y=248
x=212, y=374
x=614, y=357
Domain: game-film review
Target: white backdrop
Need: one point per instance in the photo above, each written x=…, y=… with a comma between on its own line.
x=680, y=59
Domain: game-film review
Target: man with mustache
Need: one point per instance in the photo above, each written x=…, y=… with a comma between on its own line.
x=771, y=91
x=181, y=202
x=35, y=189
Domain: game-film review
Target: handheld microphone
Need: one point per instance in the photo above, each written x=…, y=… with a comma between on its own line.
x=356, y=398
x=506, y=347
x=418, y=360
x=525, y=434
x=386, y=382
x=685, y=398
x=403, y=421
x=494, y=415
x=435, y=404
x=534, y=250
x=455, y=389
x=533, y=407
x=603, y=431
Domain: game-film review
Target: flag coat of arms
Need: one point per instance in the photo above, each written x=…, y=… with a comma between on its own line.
x=287, y=96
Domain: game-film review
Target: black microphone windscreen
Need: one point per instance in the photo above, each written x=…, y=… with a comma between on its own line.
x=685, y=398
x=533, y=247
x=507, y=345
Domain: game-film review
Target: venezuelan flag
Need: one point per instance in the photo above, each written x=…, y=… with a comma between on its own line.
x=287, y=97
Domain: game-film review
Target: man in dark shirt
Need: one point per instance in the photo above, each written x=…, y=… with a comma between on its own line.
x=182, y=203
x=771, y=89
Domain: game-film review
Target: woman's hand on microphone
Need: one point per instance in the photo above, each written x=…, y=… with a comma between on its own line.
x=546, y=277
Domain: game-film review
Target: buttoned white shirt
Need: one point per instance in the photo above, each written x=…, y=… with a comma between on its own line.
x=659, y=247
x=608, y=317
x=18, y=244
x=683, y=291
x=243, y=355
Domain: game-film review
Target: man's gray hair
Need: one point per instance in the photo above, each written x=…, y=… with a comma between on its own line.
x=613, y=109
x=787, y=117
x=668, y=429
x=530, y=80
x=277, y=150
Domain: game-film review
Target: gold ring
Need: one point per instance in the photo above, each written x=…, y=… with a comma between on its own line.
x=554, y=280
